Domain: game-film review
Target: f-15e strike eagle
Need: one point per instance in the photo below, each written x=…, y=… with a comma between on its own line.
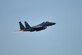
x=38, y=27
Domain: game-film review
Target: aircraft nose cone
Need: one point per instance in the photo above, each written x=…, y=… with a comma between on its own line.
x=53, y=23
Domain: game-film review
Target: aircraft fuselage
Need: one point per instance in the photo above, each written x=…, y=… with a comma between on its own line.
x=39, y=27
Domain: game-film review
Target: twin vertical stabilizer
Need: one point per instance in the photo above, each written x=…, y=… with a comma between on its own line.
x=22, y=28
x=27, y=25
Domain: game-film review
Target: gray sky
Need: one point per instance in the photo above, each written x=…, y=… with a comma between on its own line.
x=64, y=38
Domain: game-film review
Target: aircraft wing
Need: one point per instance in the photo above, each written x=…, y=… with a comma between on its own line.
x=37, y=27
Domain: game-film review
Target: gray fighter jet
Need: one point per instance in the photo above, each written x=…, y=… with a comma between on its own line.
x=38, y=27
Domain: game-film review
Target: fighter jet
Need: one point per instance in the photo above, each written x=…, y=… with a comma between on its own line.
x=38, y=27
